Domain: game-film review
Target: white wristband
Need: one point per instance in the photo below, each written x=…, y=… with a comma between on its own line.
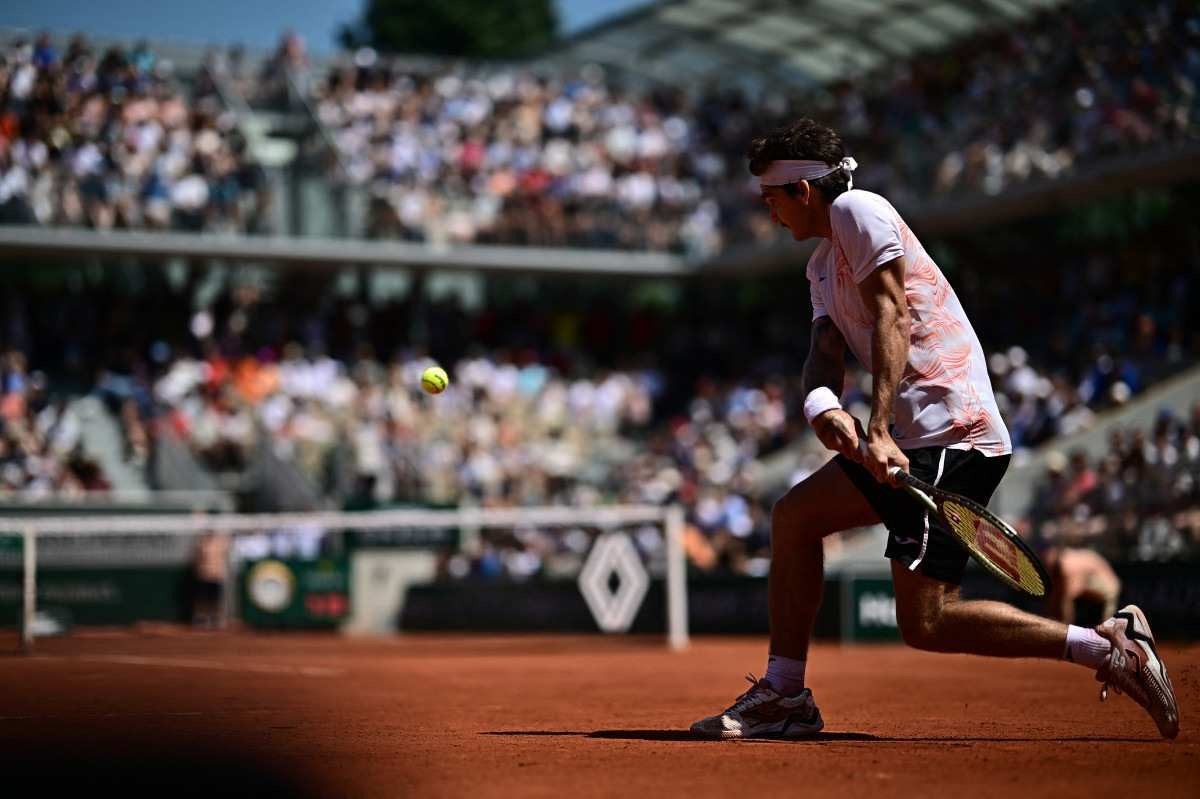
x=818, y=401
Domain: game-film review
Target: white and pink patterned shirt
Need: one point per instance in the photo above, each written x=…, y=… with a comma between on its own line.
x=944, y=398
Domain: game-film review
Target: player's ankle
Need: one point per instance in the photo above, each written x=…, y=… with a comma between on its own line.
x=786, y=675
x=1086, y=647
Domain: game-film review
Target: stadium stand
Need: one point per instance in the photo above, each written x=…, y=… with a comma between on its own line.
x=40, y=451
x=578, y=159
x=684, y=400
x=507, y=156
x=561, y=156
x=1138, y=502
x=114, y=139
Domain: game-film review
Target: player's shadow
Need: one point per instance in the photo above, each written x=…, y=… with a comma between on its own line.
x=665, y=735
x=684, y=735
x=824, y=737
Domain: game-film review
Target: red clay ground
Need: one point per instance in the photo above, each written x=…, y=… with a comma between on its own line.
x=553, y=716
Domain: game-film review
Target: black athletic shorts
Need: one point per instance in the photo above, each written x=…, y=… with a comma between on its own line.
x=915, y=537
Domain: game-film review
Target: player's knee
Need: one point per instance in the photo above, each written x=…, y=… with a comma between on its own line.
x=920, y=635
x=790, y=525
x=920, y=627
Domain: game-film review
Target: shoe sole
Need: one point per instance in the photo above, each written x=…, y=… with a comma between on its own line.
x=786, y=729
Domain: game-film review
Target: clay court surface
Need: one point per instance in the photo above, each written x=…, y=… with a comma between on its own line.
x=171, y=714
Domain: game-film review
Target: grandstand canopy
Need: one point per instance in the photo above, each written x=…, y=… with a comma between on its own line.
x=805, y=41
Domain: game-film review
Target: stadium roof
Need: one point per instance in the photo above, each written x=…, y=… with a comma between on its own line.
x=806, y=41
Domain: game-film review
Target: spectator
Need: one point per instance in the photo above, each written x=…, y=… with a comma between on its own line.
x=209, y=577
x=1140, y=504
x=110, y=140
x=41, y=453
x=506, y=155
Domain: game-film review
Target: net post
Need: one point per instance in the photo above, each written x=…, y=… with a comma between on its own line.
x=29, y=586
x=677, y=618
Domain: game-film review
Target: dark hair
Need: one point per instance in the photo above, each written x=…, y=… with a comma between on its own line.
x=802, y=140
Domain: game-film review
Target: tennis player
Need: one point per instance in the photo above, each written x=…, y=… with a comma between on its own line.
x=877, y=292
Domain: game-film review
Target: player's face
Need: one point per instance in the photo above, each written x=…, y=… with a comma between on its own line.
x=792, y=211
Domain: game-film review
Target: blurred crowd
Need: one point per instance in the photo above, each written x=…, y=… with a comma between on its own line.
x=505, y=155
x=513, y=430
x=532, y=425
x=281, y=81
x=112, y=139
x=1075, y=83
x=502, y=434
x=509, y=431
x=1139, y=500
x=520, y=155
x=579, y=403
x=40, y=452
x=1111, y=319
x=572, y=395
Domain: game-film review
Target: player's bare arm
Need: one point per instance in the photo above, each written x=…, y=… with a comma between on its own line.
x=883, y=294
x=826, y=367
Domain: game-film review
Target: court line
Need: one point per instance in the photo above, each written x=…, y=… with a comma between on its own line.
x=196, y=663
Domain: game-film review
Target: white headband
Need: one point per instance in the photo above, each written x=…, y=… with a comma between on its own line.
x=781, y=173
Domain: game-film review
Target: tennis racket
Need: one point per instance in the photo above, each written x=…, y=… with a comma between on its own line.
x=989, y=539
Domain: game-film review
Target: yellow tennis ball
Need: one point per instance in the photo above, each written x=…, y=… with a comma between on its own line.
x=434, y=380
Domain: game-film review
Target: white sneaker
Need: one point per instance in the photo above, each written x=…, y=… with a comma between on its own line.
x=1134, y=668
x=762, y=712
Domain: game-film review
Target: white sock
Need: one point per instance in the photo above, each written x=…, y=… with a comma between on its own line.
x=786, y=675
x=1086, y=647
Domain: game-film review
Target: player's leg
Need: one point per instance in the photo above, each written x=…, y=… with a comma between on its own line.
x=928, y=564
x=824, y=503
x=779, y=704
x=933, y=616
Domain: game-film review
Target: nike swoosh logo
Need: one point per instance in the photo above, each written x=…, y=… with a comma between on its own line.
x=900, y=540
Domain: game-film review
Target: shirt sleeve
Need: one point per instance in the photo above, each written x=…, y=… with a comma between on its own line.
x=868, y=232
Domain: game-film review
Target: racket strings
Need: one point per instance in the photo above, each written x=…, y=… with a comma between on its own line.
x=971, y=527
